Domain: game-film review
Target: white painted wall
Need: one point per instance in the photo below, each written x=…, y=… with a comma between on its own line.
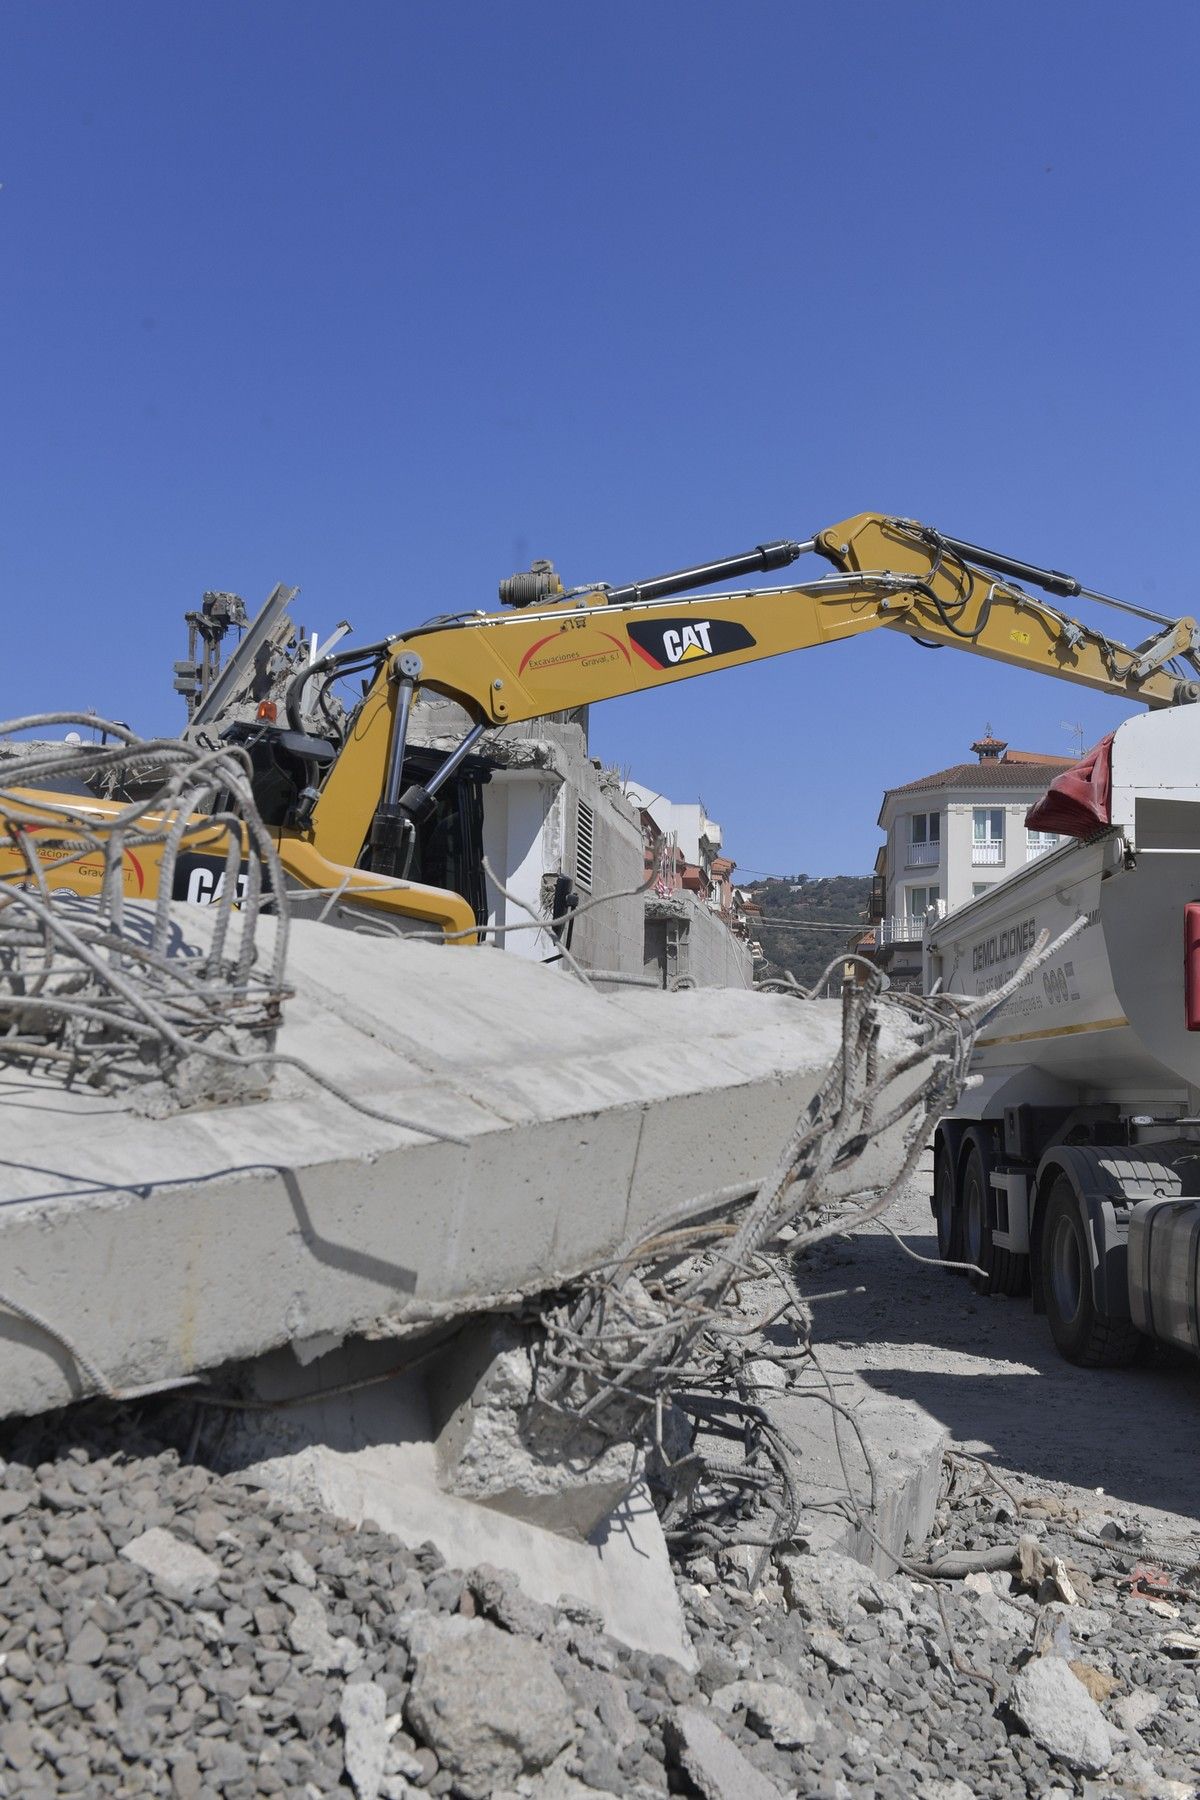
x=522, y=840
x=688, y=822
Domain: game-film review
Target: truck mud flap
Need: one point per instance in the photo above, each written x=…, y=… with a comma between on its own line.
x=1108, y=1232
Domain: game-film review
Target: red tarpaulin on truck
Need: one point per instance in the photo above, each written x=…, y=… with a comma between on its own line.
x=1079, y=801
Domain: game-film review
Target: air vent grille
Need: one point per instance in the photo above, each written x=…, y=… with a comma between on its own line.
x=585, y=831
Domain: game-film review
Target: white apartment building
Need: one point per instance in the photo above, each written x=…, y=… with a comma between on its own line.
x=698, y=836
x=950, y=836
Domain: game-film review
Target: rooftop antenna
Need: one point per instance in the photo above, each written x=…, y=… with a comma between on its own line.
x=1076, y=728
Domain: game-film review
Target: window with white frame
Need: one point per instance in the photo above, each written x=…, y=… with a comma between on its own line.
x=920, y=899
x=924, y=838
x=987, y=834
x=981, y=887
x=1038, y=842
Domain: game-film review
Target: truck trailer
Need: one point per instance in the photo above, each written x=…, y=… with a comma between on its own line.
x=1071, y=1168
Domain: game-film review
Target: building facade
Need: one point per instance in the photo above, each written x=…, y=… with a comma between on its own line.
x=949, y=837
x=696, y=931
x=560, y=832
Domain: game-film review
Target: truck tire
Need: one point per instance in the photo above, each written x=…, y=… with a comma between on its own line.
x=945, y=1206
x=1081, y=1332
x=1003, y=1272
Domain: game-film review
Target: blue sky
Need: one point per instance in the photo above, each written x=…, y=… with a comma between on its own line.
x=385, y=299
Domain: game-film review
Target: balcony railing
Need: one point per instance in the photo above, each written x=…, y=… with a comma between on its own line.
x=1038, y=842
x=987, y=850
x=905, y=928
x=921, y=855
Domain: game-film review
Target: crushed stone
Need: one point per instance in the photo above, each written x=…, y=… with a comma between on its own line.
x=317, y=1659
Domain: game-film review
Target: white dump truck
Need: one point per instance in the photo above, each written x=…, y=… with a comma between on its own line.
x=1073, y=1166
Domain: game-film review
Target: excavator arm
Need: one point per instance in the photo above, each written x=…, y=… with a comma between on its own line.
x=351, y=829
x=569, y=650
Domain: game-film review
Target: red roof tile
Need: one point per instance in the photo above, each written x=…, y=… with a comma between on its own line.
x=1007, y=774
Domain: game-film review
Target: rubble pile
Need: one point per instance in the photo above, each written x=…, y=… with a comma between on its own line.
x=166, y=1630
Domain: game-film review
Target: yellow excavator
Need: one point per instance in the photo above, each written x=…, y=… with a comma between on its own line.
x=349, y=818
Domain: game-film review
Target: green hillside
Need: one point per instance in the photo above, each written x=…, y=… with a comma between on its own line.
x=788, y=907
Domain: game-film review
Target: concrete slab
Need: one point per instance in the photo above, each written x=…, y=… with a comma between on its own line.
x=165, y=1247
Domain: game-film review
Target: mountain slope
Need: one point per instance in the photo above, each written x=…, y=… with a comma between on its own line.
x=805, y=922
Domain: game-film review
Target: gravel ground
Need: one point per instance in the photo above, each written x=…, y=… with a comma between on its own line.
x=167, y=1630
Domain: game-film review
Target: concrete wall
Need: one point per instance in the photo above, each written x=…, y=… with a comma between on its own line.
x=717, y=958
x=684, y=940
x=610, y=936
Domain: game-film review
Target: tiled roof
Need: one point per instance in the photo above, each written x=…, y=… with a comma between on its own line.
x=989, y=775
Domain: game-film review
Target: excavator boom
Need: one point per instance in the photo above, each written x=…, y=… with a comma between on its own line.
x=351, y=825
x=585, y=647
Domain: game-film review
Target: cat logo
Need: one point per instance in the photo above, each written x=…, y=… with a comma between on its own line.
x=693, y=640
x=665, y=643
x=200, y=880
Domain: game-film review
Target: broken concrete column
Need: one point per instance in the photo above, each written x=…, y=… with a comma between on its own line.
x=499, y=1447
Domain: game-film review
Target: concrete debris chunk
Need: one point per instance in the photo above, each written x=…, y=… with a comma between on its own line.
x=827, y=1588
x=309, y=1634
x=1079, y=1621
x=714, y=1765
x=500, y=1596
x=1000, y=1614
x=1136, y=1709
x=363, y=1713
x=208, y=1625
x=772, y=1710
x=299, y=1568
x=490, y=1707
x=179, y=1567
x=944, y=1790
x=834, y=1652
x=1059, y=1714
x=421, y=1630
x=766, y=1375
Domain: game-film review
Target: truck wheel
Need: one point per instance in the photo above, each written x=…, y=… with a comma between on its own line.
x=1003, y=1272
x=1081, y=1332
x=945, y=1206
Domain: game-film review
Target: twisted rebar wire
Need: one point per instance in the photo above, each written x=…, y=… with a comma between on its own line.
x=652, y=1330
x=110, y=996
x=114, y=997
